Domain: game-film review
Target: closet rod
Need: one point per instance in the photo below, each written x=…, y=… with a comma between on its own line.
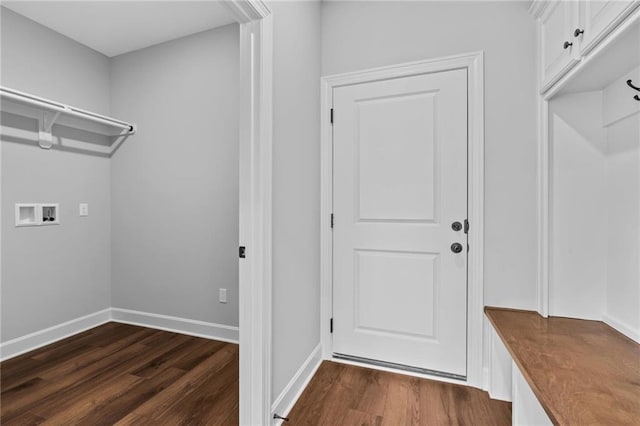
x=47, y=104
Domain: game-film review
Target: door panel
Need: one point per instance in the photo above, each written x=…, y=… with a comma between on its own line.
x=386, y=191
x=414, y=276
x=400, y=180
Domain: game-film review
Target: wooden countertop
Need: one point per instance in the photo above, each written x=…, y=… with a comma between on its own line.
x=582, y=372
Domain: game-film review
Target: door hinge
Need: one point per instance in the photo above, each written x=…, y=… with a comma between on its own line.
x=331, y=220
x=242, y=252
x=466, y=226
x=331, y=115
x=331, y=325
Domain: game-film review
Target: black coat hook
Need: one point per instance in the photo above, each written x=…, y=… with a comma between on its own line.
x=630, y=84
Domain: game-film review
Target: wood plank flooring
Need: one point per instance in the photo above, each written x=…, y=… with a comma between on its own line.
x=125, y=375
x=341, y=394
x=122, y=374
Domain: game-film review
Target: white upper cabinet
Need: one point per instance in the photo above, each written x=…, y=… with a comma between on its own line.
x=598, y=18
x=557, y=47
x=568, y=30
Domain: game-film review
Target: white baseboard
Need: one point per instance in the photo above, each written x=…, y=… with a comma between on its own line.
x=622, y=328
x=30, y=342
x=23, y=344
x=191, y=327
x=287, y=399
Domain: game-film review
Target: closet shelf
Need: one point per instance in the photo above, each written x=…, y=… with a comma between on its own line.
x=47, y=112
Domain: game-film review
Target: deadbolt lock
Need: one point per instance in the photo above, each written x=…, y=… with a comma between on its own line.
x=456, y=226
x=456, y=247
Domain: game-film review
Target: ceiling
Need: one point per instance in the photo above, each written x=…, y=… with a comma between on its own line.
x=117, y=27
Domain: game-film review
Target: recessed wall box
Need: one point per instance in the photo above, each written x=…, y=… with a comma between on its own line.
x=27, y=215
x=50, y=214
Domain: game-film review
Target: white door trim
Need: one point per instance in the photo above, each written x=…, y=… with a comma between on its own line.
x=255, y=135
x=473, y=63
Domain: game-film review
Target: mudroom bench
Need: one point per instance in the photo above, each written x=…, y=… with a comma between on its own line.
x=563, y=371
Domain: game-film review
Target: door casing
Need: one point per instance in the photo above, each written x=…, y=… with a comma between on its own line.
x=255, y=152
x=474, y=64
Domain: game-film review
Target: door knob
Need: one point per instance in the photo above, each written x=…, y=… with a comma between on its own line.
x=456, y=247
x=456, y=226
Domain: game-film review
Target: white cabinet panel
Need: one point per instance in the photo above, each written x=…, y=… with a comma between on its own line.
x=499, y=386
x=598, y=18
x=569, y=30
x=526, y=409
x=557, y=48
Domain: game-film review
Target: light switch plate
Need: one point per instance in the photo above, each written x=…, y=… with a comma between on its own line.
x=223, y=295
x=84, y=209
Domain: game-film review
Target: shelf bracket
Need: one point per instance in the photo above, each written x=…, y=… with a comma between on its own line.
x=119, y=139
x=45, y=137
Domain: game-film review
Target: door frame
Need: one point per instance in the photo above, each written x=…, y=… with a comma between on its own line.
x=474, y=64
x=255, y=184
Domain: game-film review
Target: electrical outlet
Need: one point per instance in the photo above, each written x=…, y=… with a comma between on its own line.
x=223, y=295
x=84, y=209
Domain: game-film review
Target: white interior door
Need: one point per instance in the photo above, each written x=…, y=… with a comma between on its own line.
x=400, y=182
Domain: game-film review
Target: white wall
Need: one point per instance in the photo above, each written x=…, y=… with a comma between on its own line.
x=175, y=184
x=623, y=211
x=361, y=35
x=578, y=213
x=52, y=274
x=296, y=187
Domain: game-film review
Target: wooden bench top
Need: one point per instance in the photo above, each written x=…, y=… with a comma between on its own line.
x=582, y=372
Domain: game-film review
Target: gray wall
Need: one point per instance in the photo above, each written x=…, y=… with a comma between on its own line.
x=360, y=35
x=52, y=274
x=296, y=187
x=173, y=224
x=175, y=184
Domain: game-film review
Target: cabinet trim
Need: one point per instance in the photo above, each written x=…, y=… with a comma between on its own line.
x=538, y=7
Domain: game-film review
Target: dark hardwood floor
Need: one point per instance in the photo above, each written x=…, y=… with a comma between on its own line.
x=342, y=394
x=122, y=374
x=127, y=375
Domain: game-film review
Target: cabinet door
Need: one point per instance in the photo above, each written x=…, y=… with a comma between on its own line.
x=556, y=26
x=598, y=18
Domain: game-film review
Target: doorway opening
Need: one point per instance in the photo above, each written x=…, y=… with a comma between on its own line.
x=252, y=129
